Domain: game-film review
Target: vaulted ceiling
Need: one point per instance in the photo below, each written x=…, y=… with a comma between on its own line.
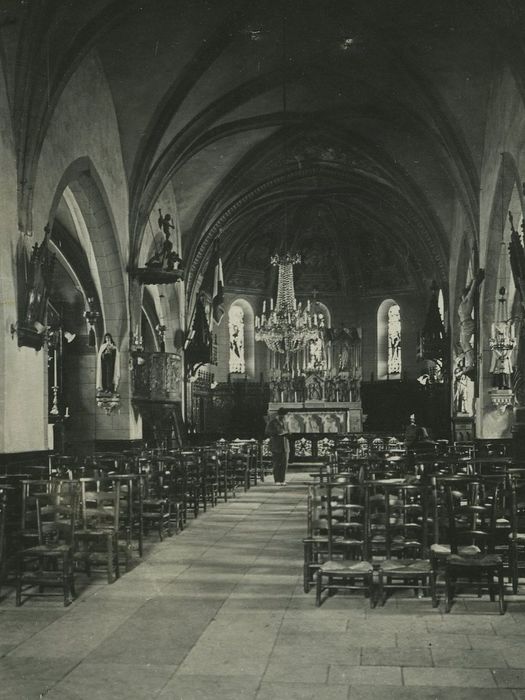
x=352, y=127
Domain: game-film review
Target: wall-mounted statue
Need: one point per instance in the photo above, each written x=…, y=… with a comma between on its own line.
x=467, y=325
x=108, y=367
x=502, y=344
x=463, y=387
x=32, y=320
x=165, y=258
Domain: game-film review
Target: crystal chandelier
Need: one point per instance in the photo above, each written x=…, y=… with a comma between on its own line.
x=289, y=326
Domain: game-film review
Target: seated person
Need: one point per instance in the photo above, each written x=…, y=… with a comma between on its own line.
x=423, y=442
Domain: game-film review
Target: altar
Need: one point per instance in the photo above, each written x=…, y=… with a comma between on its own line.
x=322, y=417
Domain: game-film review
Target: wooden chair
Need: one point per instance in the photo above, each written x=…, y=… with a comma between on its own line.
x=239, y=468
x=50, y=564
x=349, y=565
x=193, y=497
x=516, y=545
x=156, y=510
x=98, y=538
x=406, y=563
x=32, y=489
x=315, y=544
x=473, y=525
x=210, y=478
x=131, y=522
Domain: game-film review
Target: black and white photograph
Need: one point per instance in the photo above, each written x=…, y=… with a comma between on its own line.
x=262, y=361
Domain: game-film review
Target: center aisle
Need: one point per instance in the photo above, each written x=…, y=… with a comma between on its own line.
x=218, y=613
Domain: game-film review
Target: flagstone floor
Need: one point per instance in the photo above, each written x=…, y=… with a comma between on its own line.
x=218, y=613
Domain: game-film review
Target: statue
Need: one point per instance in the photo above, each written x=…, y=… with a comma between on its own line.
x=343, y=389
x=108, y=367
x=314, y=388
x=165, y=258
x=275, y=392
x=298, y=386
x=330, y=390
x=463, y=387
x=355, y=385
x=467, y=326
x=502, y=345
x=345, y=341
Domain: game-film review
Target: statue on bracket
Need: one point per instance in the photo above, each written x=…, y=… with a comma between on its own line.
x=502, y=345
x=32, y=321
x=166, y=258
x=108, y=368
x=463, y=386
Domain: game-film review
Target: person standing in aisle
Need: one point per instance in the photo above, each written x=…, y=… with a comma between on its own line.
x=277, y=430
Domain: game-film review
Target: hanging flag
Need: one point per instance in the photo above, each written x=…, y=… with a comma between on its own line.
x=218, y=286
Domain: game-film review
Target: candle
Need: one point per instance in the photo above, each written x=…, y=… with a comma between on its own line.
x=264, y=306
x=66, y=414
x=308, y=305
x=271, y=304
x=55, y=375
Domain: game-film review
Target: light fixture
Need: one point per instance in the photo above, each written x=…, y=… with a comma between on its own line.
x=91, y=315
x=289, y=326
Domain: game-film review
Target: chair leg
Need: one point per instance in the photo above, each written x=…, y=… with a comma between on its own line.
x=306, y=566
x=433, y=589
x=501, y=591
x=115, y=553
x=18, y=601
x=110, y=559
x=66, y=581
x=318, y=588
x=449, y=593
x=513, y=565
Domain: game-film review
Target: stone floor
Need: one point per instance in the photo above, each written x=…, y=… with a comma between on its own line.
x=218, y=612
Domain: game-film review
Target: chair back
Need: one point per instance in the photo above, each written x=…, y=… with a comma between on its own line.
x=56, y=519
x=471, y=522
x=100, y=504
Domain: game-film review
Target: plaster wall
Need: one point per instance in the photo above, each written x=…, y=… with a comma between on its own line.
x=23, y=402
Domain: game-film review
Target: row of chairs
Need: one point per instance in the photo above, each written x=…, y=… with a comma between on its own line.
x=390, y=533
x=95, y=512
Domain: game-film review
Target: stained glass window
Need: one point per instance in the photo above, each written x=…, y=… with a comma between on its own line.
x=236, y=329
x=394, y=339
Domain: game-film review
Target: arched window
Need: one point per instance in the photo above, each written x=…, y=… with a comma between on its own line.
x=236, y=330
x=389, y=338
x=394, y=340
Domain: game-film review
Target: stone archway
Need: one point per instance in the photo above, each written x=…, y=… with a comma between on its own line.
x=81, y=191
